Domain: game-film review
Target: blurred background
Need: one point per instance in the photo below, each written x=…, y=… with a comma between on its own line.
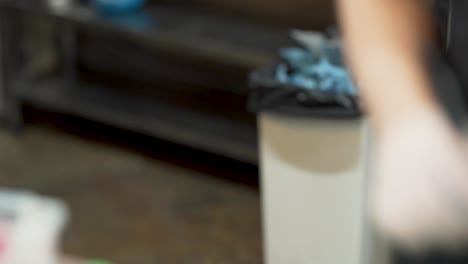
x=135, y=114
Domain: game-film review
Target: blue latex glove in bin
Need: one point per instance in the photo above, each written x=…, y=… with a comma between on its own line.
x=310, y=80
x=321, y=70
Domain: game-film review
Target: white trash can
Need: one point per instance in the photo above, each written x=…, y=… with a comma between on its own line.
x=314, y=186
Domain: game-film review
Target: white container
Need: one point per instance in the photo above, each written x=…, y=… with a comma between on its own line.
x=314, y=186
x=30, y=228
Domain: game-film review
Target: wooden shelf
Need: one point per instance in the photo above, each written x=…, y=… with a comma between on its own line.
x=183, y=30
x=195, y=49
x=203, y=131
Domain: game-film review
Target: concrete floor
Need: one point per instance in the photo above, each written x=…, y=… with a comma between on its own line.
x=130, y=208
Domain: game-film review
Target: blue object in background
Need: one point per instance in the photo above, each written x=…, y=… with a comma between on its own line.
x=117, y=6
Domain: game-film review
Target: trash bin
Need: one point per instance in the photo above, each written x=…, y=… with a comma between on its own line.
x=314, y=148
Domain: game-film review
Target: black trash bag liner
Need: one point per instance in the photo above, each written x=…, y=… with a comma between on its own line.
x=268, y=94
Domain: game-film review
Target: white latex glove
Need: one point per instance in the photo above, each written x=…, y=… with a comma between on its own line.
x=420, y=196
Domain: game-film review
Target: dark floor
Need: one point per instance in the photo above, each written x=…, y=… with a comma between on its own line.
x=132, y=208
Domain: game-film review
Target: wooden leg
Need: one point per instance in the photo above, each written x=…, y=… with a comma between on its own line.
x=10, y=106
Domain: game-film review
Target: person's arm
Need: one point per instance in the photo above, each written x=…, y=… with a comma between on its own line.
x=385, y=41
x=420, y=187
